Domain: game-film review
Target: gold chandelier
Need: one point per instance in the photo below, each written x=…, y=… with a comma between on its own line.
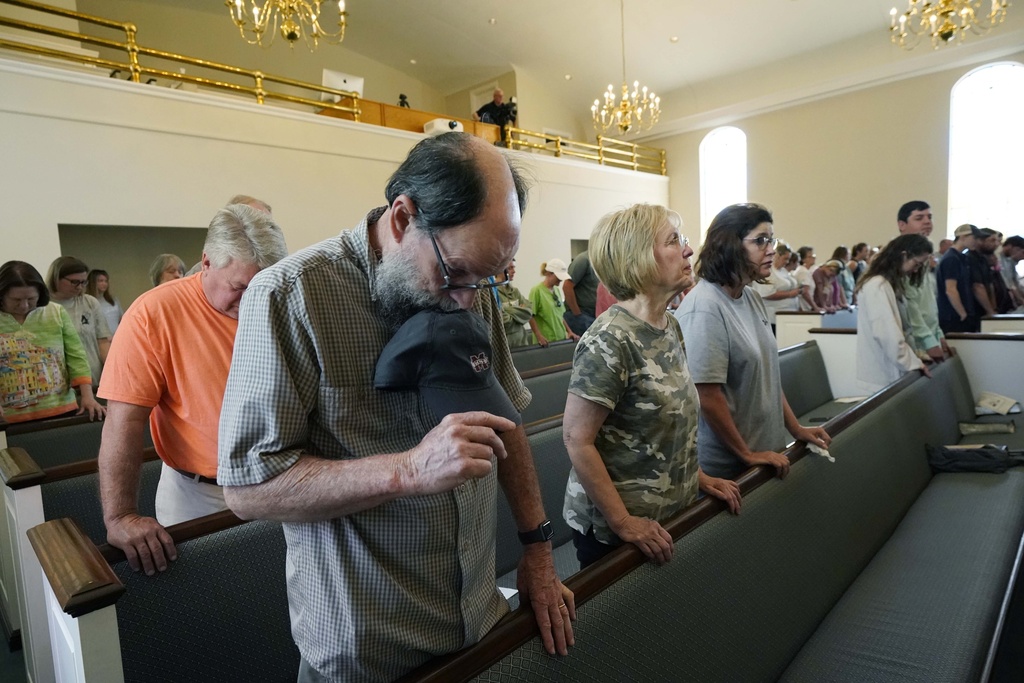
x=293, y=19
x=631, y=111
x=945, y=21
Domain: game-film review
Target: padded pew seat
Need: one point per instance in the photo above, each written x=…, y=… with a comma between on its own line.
x=898, y=621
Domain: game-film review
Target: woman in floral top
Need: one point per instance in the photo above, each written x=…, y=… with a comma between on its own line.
x=41, y=355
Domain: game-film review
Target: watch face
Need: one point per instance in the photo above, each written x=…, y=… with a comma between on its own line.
x=546, y=529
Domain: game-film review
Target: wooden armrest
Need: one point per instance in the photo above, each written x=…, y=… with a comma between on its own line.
x=81, y=579
x=18, y=469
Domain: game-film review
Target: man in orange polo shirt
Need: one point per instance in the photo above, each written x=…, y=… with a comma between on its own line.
x=169, y=364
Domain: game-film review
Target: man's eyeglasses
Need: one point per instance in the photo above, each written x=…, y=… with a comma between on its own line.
x=76, y=283
x=763, y=241
x=448, y=284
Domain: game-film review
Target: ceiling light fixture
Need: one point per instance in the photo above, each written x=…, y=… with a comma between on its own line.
x=259, y=22
x=944, y=21
x=631, y=111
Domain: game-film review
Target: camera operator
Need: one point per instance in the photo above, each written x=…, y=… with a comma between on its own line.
x=498, y=113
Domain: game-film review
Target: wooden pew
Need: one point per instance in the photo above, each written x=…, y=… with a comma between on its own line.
x=807, y=385
x=219, y=613
x=527, y=358
x=549, y=387
x=744, y=597
x=32, y=494
x=1009, y=322
x=791, y=327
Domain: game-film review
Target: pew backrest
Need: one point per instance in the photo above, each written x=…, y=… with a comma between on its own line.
x=79, y=498
x=804, y=379
x=549, y=387
x=533, y=357
x=219, y=612
x=60, y=441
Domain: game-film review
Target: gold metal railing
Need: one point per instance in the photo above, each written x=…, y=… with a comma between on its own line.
x=259, y=89
x=607, y=151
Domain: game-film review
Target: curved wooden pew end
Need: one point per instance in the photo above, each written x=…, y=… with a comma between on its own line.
x=18, y=469
x=81, y=579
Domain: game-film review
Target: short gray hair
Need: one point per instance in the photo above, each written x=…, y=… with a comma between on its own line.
x=162, y=263
x=241, y=233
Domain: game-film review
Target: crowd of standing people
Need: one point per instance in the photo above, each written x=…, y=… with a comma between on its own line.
x=275, y=404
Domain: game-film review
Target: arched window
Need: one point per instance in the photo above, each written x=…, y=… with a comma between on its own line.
x=986, y=148
x=723, y=172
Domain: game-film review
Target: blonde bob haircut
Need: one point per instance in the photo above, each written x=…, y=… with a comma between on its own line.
x=622, y=248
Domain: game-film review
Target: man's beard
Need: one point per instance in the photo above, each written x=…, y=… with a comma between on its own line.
x=399, y=296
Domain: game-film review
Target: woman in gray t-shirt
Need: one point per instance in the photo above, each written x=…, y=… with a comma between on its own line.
x=631, y=414
x=733, y=357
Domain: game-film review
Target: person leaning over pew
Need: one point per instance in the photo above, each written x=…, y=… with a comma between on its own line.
x=389, y=515
x=884, y=348
x=732, y=353
x=630, y=423
x=42, y=360
x=168, y=364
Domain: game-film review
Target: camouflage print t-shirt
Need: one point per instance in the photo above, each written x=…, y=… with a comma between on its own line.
x=649, y=441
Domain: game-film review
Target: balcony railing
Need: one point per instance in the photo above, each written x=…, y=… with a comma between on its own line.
x=263, y=87
x=607, y=151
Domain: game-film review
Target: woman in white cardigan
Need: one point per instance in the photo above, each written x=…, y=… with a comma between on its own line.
x=884, y=348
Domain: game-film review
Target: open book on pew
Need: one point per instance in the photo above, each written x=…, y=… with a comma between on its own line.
x=990, y=403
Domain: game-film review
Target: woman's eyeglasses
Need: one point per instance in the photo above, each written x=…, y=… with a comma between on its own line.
x=763, y=241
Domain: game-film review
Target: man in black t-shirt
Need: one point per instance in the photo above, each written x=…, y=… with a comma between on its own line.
x=955, y=298
x=982, y=275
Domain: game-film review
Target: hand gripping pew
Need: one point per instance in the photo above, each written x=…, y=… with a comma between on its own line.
x=31, y=495
x=869, y=568
x=219, y=613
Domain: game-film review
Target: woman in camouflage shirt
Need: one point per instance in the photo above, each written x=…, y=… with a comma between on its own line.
x=631, y=414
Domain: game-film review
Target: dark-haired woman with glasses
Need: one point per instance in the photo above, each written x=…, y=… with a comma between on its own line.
x=732, y=354
x=66, y=280
x=41, y=356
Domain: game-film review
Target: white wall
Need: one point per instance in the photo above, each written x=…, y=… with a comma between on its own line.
x=92, y=150
x=836, y=170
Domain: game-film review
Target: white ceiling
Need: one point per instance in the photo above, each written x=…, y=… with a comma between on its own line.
x=456, y=46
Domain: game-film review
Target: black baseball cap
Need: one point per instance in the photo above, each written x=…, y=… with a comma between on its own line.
x=446, y=356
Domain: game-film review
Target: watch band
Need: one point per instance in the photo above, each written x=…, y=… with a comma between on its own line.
x=542, y=533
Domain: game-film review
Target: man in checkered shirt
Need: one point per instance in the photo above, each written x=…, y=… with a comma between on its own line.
x=389, y=515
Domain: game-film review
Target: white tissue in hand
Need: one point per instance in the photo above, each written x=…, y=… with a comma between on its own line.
x=815, y=448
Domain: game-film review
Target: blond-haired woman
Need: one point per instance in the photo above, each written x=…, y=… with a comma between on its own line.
x=631, y=415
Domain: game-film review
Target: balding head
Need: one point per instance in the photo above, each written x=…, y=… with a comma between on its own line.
x=453, y=218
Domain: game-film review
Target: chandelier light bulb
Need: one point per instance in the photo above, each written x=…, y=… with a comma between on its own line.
x=293, y=19
x=943, y=21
